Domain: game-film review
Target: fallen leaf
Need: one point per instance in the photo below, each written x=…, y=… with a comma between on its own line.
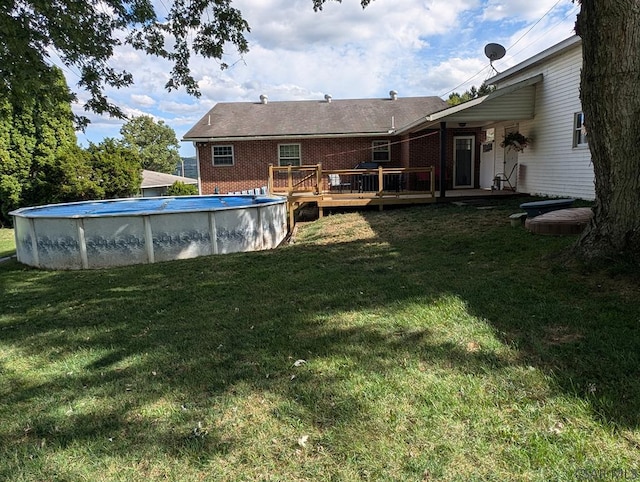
x=302, y=441
x=557, y=428
x=473, y=346
x=300, y=362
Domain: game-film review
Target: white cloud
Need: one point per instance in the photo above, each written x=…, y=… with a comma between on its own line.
x=456, y=74
x=142, y=100
x=417, y=47
x=520, y=10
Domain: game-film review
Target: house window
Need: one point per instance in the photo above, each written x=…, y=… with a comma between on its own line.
x=223, y=155
x=579, y=130
x=289, y=154
x=381, y=151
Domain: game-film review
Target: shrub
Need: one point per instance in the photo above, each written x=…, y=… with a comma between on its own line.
x=179, y=188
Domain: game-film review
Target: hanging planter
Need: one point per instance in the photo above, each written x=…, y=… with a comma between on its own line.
x=515, y=140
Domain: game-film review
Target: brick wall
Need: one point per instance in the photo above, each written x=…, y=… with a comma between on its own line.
x=252, y=158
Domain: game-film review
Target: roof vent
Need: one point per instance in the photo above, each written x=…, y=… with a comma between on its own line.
x=328, y=98
x=393, y=94
x=263, y=99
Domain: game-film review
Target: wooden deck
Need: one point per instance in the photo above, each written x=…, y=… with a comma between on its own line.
x=304, y=185
x=350, y=187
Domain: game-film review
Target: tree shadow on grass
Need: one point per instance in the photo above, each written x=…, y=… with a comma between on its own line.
x=111, y=348
x=580, y=326
x=169, y=341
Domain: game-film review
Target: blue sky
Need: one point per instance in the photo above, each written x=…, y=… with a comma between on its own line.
x=416, y=47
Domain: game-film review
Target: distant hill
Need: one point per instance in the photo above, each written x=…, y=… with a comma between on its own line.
x=190, y=168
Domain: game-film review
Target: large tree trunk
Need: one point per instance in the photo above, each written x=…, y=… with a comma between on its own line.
x=610, y=31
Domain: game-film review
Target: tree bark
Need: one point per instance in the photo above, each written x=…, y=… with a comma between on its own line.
x=610, y=32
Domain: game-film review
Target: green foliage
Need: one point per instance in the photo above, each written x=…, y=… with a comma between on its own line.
x=317, y=4
x=41, y=163
x=179, y=188
x=455, y=98
x=155, y=143
x=68, y=178
x=516, y=141
x=10, y=196
x=116, y=169
x=84, y=34
x=34, y=134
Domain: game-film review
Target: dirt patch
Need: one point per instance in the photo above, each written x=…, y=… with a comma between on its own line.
x=561, y=335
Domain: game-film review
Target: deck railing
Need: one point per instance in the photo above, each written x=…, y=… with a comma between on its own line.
x=381, y=181
x=293, y=179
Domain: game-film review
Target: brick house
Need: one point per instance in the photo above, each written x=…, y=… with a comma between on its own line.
x=236, y=142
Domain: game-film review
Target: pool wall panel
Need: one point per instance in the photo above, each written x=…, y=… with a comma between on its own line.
x=236, y=230
x=25, y=244
x=115, y=241
x=274, y=226
x=61, y=238
x=181, y=237
x=57, y=243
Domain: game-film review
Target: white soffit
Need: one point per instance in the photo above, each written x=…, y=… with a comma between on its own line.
x=514, y=102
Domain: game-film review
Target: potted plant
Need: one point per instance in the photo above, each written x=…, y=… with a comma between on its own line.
x=515, y=140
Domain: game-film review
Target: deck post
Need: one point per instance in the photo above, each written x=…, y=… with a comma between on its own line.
x=270, y=181
x=319, y=178
x=291, y=215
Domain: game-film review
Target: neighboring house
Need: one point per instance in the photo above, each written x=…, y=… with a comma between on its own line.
x=236, y=142
x=539, y=98
x=156, y=183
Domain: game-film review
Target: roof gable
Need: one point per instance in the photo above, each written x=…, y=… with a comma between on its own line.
x=311, y=118
x=558, y=49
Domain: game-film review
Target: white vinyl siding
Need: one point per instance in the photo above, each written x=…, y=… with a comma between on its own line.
x=550, y=165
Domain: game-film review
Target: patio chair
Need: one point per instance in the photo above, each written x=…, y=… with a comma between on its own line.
x=336, y=183
x=502, y=179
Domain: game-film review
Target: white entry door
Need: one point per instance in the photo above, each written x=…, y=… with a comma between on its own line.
x=463, y=161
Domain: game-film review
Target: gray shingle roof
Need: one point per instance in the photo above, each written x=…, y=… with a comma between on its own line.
x=160, y=179
x=317, y=118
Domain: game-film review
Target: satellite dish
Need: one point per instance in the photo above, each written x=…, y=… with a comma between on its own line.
x=494, y=52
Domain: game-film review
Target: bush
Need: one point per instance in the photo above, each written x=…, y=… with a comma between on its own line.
x=179, y=188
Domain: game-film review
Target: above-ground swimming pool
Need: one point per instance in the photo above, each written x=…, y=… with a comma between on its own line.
x=119, y=232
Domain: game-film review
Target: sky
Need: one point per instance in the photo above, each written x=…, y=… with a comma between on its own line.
x=416, y=47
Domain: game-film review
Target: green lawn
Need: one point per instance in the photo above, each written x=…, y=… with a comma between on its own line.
x=439, y=343
x=7, y=243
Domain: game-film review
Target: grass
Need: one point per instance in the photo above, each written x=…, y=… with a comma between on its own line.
x=7, y=243
x=438, y=343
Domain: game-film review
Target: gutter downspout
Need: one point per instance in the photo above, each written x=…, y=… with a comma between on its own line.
x=195, y=144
